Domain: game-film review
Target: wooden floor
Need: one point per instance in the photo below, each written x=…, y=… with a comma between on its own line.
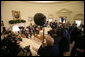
x=68, y=53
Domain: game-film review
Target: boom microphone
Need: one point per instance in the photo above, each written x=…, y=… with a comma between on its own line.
x=39, y=19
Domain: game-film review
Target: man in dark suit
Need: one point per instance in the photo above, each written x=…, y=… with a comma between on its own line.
x=78, y=49
x=50, y=49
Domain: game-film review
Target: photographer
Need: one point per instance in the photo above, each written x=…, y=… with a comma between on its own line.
x=48, y=49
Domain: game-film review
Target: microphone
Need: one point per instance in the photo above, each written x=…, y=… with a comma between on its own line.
x=39, y=19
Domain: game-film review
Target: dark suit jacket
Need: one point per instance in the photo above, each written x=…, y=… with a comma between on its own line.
x=48, y=51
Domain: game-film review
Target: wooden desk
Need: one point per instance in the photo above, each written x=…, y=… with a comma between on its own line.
x=34, y=45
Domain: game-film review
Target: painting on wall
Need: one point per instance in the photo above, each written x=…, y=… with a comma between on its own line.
x=16, y=14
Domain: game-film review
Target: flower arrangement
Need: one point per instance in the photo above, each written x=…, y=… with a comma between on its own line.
x=16, y=21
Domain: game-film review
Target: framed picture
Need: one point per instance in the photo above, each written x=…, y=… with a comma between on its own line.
x=16, y=14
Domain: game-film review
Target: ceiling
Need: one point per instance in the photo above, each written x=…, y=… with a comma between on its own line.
x=46, y=2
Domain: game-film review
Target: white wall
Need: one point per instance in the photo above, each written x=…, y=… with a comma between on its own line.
x=29, y=10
